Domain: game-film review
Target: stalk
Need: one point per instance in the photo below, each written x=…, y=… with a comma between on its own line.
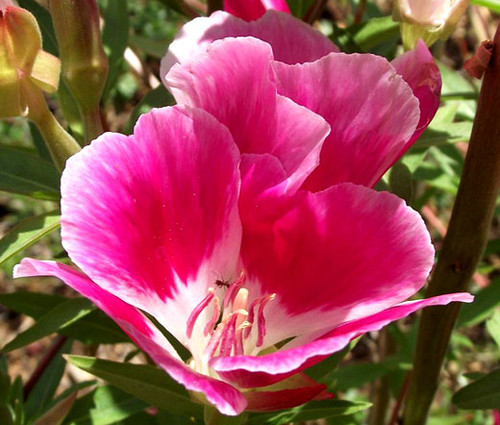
x=463, y=245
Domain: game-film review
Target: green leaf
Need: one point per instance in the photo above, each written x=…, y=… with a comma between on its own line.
x=493, y=326
x=27, y=174
x=96, y=328
x=56, y=319
x=327, y=366
x=42, y=393
x=299, y=8
x=493, y=5
x=114, y=38
x=481, y=394
x=155, y=48
x=156, y=98
x=374, y=32
x=105, y=405
x=310, y=411
x=45, y=23
x=401, y=181
x=147, y=383
x=33, y=304
x=26, y=233
x=58, y=412
x=6, y=415
x=442, y=134
x=485, y=302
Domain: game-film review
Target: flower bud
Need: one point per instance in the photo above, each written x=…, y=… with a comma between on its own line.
x=84, y=63
x=24, y=66
x=428, y=20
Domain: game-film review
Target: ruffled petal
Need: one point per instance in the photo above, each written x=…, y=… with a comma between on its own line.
x=233, y=82
x=335, y=256
x=419, y=70
x=250, y=10
x=370, y=108
x=292, y=40
x=255, y=371
x=227, y=398
x=153, y=217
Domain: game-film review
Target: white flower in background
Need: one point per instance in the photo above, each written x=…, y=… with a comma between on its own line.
x=428, y=20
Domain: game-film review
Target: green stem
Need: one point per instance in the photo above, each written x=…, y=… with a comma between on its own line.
x=463, y=245
x=92, y=125
x=59, y=142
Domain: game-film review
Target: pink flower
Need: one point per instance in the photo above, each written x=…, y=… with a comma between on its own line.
x=210, y=218
x=376, y=109
x=254, y=9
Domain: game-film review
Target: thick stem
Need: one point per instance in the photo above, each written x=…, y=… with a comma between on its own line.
x=92, y=125
x=464, y=243
x=360, y=12
x=382, y=393
x=59, y=142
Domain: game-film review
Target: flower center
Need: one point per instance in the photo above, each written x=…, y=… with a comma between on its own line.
x=229, y=328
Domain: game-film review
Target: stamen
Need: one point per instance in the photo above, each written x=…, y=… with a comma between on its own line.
x=261, y=330
x=234, y=289
x=228, y=336
x=251, y=317
x=197, y=311
x=209, y=327
x=212, y=345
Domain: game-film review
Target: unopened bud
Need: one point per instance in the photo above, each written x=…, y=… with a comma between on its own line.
x=24, y=66
x=427, y=20
x=84, y=63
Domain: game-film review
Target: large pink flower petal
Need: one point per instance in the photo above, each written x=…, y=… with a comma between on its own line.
x=233, y=82
x=153, y=217
x=227, y=398
x=370, y=108
x=335, y=256
x=292, y=40
x=420, y=71
x=250, y=371
x=250, y=10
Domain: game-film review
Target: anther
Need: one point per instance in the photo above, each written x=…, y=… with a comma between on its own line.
x=197, y=311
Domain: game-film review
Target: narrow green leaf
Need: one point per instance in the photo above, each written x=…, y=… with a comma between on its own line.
x=493, y=5
x=6, y=415
x=374, y=32
x=33, y=304
x=445, y=133
x=27, y=174
x=114, y=38
x=56, y=319
x=319, y=371
x=42, y=393
x=57, y=413
x=4, y=388
x=481, y=394
x=26, y=233
x=147, y=383
x=401, y=181
x=156, y=98
x=485, y=302
x=493, y=326
x=155, y=48
x=96, y=328
x=103, y=406
x=310, y=411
